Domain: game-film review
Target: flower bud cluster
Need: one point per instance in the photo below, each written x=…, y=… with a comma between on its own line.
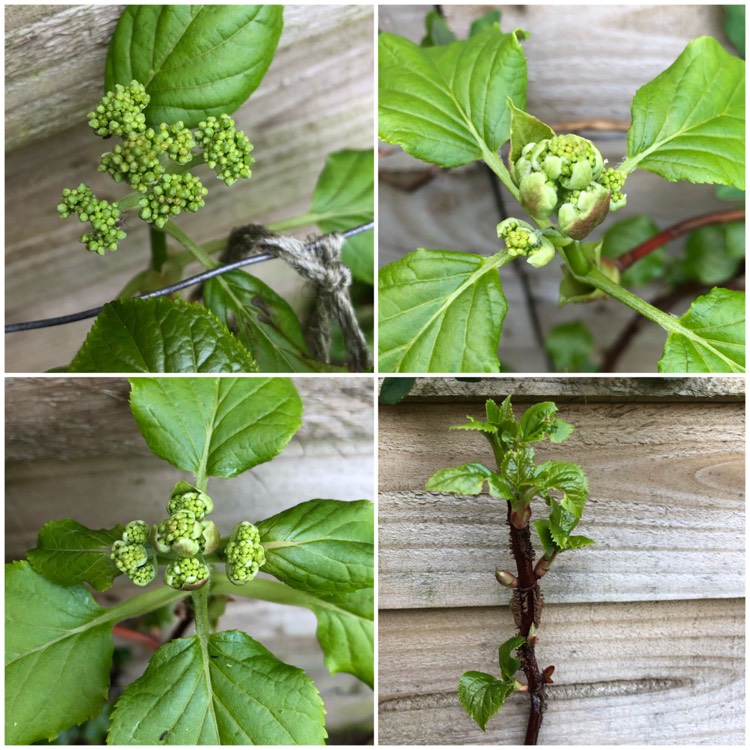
x=522, y=239
x=245, y=554
x=103, y=216
x=145, y=161
x=131, y=555
x=565, y=176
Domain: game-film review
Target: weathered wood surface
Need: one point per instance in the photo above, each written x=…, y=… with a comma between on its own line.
x=316, y=98
x=646, y=673
x=73, y=450
x=585, y=62
x=629, y=622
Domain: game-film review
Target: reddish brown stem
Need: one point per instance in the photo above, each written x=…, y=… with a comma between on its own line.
x=136, y=636
x=527, y=606
x=641, y=251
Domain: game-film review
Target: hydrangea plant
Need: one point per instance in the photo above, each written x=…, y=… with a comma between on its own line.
x=215, y=687
x=452, y=102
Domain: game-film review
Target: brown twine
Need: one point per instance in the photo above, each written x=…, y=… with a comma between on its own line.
x=317, y=259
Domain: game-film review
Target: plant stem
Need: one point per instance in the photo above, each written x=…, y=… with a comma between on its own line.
x=641, y=251
x=527, y=606
x=142, y=604
x=200, y=607
x=158, y=247
x=494, y=162
x=197, y=251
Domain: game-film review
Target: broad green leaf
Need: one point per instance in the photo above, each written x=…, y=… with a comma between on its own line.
x=440, y=311
x=560, y=430
x=438, y=31
x=570, y=346
x=68, y=553
x=344, y=197
x=509, y=665
x=475, y=424
x=58, y=652
x=481, y=695
x=537, y=421
x=467, y=479
x=626, y=234
x=216, y=427
x=262, y=321
x=689, y=122
x=707, y=254
x=233, y=692
x=346, y=632
x=159, y=335
x=448, y=105
x=394, y=390
x=578, y=542
x=485, y=22
x=567, y=478
x=321, y=546
x=518, y=467
x=194, y=60
x=712, y=338
x=729, y=193
x=561, y=523
x=525, y=128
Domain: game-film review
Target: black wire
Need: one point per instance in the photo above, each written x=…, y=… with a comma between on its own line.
x=31, y=325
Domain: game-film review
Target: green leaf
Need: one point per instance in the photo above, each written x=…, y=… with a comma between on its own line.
x=485, y=22
x=58, y=653
x=567, y=478
x=543, y=529
x=626, y=234
x=393, y=390
x=448, y=105
x=481, y=695
x=346, y=632
x=734, y=26
x=438, y=31
x=509, y=665
x=714, y=336
x=525, y=128
x=216, y=427
x=344, y=198
x=321, y=546
x=68, y=553
x=689, y=122
x=194, y=60
x=262, y=321
x=707, y=254
x=578, y=542
x=570, y=346
x=441, y=311
x=467, y=479
x=159, y=335
x=537, y=421
x=518, y=467
x=235, y=692
x=729, y=193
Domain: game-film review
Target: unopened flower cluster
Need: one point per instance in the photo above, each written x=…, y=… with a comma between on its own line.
x=187, y=536
x=565, y=176
x=153, y=161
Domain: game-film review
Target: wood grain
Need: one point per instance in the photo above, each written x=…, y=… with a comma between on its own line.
x=650, y=673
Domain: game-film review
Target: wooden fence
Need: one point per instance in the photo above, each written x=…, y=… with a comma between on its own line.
x=645, y=628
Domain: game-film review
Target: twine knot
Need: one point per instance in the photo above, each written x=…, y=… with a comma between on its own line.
x=318, y=260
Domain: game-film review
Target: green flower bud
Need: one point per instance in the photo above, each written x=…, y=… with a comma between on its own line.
x=182, y=533
x=128, y=557
x=538, y=195
x=583, y=211
x=186, y=574
x=144, y=575
x=186, y=497
x=136, y=532
x=614, y=181
x=245, y=554
x=211, y=537
x=522, y=239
